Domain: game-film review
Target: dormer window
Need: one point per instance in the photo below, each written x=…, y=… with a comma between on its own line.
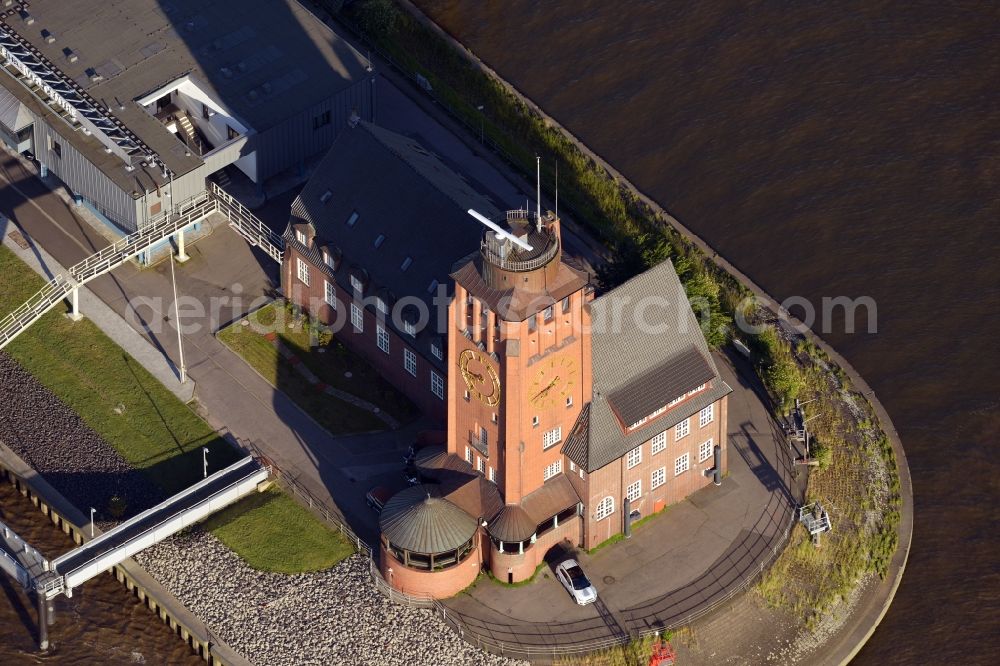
x=437, y=350
x=381, y=305
x=410, y=328
x=328, y=260
x=300, y=236
x=356, y=283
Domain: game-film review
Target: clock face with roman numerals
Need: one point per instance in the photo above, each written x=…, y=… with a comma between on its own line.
x=554, y=380
x=480, y=377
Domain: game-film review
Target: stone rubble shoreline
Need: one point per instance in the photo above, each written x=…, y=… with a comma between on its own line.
x=334, y=616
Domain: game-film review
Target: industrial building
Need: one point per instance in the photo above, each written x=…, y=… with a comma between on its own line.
x=568, y=415
x=133, y=104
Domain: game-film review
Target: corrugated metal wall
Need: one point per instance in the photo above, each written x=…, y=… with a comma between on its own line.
x=84, y=178
x=289, y=143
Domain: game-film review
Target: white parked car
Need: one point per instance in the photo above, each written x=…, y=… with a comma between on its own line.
x=576, y=582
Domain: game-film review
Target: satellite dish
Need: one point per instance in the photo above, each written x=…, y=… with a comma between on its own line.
x=501, y=233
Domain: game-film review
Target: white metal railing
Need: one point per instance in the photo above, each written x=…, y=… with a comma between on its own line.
x=104, y=261
x=36, y=306
x=249, y=225
x=169, y=524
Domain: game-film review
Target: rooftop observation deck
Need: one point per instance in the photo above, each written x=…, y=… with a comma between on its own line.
x=502, y=252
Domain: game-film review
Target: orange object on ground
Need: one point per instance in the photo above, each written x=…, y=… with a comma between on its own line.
x=663, y=654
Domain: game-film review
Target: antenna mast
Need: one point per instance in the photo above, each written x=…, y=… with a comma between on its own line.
x=557, y=189
x=538, y=192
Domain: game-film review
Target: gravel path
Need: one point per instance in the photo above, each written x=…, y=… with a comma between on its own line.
x=329, y=617
x=56, y=442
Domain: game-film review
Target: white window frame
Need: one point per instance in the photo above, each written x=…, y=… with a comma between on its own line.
x=330, y=294
x=468, y=455
x=356, y=284
x=705, y=450
x=658, y=443
x=381, y=305
x=410, y=362
x=634, y=491
x=658, y=478
x=551, y=470
x=357, y=318
x=682, y=464
x=302, y=270
x=382, y=338
x=604, y=508
x=328, y=260
x=633, y=457
x=437, y=350
x=410, y=328
x=480, y=465
x=300, y=236
x=492, y=476
x=682, y=429
x=437, y=385
x=551, y=437
x=706, y=416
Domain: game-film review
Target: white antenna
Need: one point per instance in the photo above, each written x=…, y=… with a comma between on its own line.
x=538, y=192
x=501, y=233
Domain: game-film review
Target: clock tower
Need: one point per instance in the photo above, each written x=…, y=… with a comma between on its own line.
x=519, y=356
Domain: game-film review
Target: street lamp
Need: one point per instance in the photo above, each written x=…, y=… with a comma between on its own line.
x=177, y=321
x=204, y=462
x=92, y=512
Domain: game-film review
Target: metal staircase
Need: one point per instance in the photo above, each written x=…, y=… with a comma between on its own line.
x=247, y=224
x=98, y=264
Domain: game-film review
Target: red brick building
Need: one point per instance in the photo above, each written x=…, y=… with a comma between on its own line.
x=568, y=415
x=369, y=246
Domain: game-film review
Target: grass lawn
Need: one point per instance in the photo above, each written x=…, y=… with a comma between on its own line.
x=329, y=366
x=132, y=411
x=273, y=533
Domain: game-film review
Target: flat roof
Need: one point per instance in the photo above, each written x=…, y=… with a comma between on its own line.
x=265, y=60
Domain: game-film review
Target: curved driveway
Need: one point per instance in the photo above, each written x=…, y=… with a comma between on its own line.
x=678, y=565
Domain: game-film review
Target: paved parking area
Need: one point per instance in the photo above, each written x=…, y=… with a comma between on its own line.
x=681, y=562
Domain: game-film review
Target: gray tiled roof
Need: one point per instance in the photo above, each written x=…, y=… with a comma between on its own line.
x=629, y=362
x=661, y=384
x=417, y=519
x=402, y=192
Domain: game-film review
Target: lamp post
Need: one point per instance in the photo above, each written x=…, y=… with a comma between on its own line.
x=177, y=322
x=204, y=462
x=92, y=512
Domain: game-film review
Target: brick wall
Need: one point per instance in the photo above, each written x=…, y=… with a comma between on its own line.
x=521, y=566
x=438, y=584
x=613, y=479
x=390, y=365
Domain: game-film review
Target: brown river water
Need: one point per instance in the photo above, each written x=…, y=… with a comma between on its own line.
x=102, y=623
x=826, y=149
